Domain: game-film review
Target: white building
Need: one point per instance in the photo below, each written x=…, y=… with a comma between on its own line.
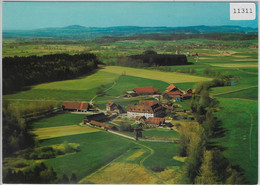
x=148, y=109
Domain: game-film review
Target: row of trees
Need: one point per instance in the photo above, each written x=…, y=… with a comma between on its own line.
x=19, y=72
x=180, y=36
x=16, y=120
x=38, y=174
x=205, y=163
x=16, y=132
x=151, y=58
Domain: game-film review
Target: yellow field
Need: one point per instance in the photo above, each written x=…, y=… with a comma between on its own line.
x=50, y=132
x=171, y=176
x=169, y=77
x=121, y=173
x=178, y=158
x=135, y=155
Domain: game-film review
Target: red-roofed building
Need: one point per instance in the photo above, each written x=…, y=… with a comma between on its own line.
x=147, y=102
x=155, y=121
x=172, y=88
x=76, y=106
x=187, y=94
x=146, y=108
x=145, y=90
x=100, y=125
x=173, y=92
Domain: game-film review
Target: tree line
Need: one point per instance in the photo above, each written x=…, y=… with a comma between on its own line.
x=16, y=125
x=179, y=36
x=205, y=163
x=19, y=72
x=39, y=174
x=150, y=58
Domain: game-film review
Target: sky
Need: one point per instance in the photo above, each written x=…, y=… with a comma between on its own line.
x=34, y=15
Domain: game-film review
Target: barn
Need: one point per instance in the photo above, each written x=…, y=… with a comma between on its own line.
x=95, y=117
x=155, y=121
x=145, y=90
x=76, y=106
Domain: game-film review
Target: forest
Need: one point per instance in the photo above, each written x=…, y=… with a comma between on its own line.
x=150, y=58
x=19, y=72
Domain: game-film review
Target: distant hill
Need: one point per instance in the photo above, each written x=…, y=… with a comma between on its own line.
x=80, y=32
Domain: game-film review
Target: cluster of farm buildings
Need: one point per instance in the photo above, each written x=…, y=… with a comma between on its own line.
x=147, y=112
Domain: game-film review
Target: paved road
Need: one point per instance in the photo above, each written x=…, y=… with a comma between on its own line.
x=120, y=134
x=140, y=139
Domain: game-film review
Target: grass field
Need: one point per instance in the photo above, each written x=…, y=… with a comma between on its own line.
x=59, y=120
x=50, y=132
x=160, y=133
x=240, y=119
x=132, y=167
x=168, y=77
x=163, y=155
x=85, y=88
x=91, y=155
x=251, y=94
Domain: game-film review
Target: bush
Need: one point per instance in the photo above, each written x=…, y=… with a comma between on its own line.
x=20, y=165
x=157, y=168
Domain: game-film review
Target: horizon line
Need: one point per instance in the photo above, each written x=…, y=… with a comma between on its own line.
x=3, y=30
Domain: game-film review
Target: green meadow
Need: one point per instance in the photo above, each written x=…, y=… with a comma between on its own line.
x=59, y=120
x=91, y=155
x=240, y=142
x=160, y=133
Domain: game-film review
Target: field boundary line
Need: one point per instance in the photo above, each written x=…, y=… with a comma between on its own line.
x=235, y=91
x=252, y=73
x=122, y=135
x=250, y=133
x=102, y=167
x=243, y=99
x=142, y=161
x=91, y=101
x=146, y=157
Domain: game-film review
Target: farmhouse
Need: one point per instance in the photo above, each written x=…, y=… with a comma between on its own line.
x=100, y=125
x=95, y=117
x=176, y=94
x=145, y=90
x=112, y=107
x=155, y=121
x=145, y=108
x=187, y=94
x=76, y=106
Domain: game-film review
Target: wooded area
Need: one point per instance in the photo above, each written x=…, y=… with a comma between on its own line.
x=19, y=72
x=213, y=167
x=150, y=58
